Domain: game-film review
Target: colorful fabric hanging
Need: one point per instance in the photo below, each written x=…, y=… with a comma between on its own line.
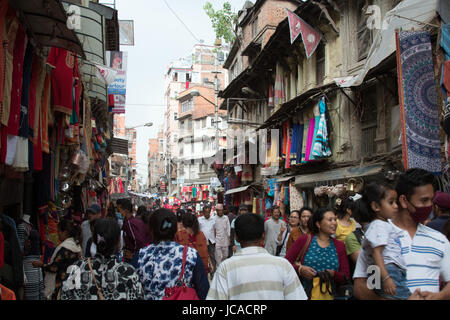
x=300, y=132
x=305, y=140
x=279, y=95
x=316, y=127
x=271, y=97
x=321, y=147
x=418, y=102
x=312, y=123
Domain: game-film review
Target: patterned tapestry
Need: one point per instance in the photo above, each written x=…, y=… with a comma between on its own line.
x=418, y=102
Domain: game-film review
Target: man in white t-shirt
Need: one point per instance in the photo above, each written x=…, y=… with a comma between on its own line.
x=206, y=223
x=272, y=228
x=252, y=273
x=426, y=251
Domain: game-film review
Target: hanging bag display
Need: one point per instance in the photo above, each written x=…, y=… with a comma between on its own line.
x=181, y=291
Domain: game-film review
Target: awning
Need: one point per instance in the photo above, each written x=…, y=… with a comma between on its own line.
x=404, y=16
x=47, y=22
x=241, y=189
x=338, y=174
x=283, y=179
x=235, y=190
x=308, y=97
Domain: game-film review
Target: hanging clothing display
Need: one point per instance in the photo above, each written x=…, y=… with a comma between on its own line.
x=3, y=11
x=10, y=29
x=418, y=108
x=16, y=85
x=295, y=197
x=321, y=147
x=279, y=87
x=65, y=70
x=247, y=173
x=312, y=123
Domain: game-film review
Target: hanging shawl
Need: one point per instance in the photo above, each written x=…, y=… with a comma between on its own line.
x=321, y=147
x=280, y=97
x=271, y=97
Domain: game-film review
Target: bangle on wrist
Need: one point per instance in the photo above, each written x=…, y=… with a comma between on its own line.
x=387, y=277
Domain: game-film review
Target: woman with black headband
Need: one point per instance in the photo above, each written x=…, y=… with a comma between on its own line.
x=160, y=263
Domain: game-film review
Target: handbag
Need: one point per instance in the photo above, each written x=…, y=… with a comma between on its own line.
x=181, y=291
x=322, y=287
x=280, y=247
x=344, y=291
x=99, y=291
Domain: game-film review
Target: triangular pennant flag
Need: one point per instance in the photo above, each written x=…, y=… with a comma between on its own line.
x=106, y=74
x=310, y=36
x=294, y=25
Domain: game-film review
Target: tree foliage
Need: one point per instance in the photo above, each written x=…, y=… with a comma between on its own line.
x=223, y=21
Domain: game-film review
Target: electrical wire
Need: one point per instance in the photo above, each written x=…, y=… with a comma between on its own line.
x=187, y=28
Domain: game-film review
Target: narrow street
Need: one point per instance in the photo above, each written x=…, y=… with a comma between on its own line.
x=258, y=150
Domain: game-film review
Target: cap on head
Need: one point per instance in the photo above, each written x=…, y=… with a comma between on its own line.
x=219, y=206
x=442, y=200
x=94, y=208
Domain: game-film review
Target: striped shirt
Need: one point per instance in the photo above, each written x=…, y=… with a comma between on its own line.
x=254, y=274
x=427, y=258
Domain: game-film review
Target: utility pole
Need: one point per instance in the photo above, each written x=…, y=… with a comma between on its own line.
x=216, y=94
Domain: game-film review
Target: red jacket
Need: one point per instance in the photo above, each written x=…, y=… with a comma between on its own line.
x=339, y=276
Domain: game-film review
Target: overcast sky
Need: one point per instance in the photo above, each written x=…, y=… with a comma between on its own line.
x=159, y=38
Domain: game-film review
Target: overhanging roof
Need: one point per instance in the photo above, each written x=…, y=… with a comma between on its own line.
x=339, y=174
x=46, y=21
x=241, y=189
x=299, y=101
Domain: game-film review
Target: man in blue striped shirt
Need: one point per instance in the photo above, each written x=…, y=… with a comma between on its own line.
x=426, y=251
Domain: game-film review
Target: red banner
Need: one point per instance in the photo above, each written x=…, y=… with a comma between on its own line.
x=310, y=36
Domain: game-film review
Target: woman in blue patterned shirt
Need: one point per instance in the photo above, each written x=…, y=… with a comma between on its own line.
x=160, y=263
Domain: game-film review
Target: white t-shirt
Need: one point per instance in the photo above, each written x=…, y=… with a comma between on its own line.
x=253, y=274
x=382, y=233
x=207, y=227
x=427, y=258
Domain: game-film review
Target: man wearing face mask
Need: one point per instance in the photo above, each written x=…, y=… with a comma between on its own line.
x=426, y=251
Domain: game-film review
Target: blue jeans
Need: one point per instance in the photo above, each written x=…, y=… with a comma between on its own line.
x=397, y=274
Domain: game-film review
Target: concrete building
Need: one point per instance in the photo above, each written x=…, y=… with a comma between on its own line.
x=198, y=69
x=155, y=159
x=363, y=121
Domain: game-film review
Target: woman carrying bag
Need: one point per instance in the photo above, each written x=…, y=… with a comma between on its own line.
x=320, y=261
x=103, y=277
x=161, y=263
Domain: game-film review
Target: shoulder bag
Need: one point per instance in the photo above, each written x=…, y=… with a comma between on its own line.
x=181, y=291
x=280, y=247
x=99, y=291
x=302, y=253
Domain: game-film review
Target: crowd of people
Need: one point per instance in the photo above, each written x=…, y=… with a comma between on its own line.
x=390, y=242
